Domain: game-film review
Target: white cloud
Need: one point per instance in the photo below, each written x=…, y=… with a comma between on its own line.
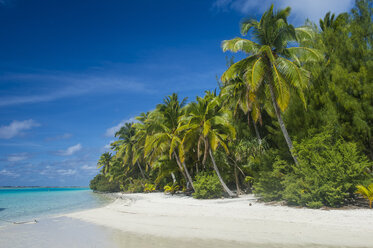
x=110, y=132
x=108, y=146
x=18, y=157
x=70, y=150
x=68, y=172
x=5, y=172
x=16, y=127
x=301, y=9
x=74, y=85
x=87, y=167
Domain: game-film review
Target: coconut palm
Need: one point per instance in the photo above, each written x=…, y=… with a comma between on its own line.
x=330, y=21
x=272, y=68
x=244, y=100
x=124, y=146
x=166, y=137
x=367, y=193
x=104, y=162
x=208, y=123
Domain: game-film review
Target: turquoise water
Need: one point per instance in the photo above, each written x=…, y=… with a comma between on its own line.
x=24, y=204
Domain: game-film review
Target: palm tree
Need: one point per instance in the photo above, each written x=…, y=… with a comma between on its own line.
x=104, y=162
x=272, y=68
x=166, y=138
x=244, y=100
x=209, y=124
x=367, y=193
x=142, y=129
x=330, y=21
x=124, y=146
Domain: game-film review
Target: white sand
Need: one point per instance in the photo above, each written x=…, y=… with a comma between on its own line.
x=234, y=220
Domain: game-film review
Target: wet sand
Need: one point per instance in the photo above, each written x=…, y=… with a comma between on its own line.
x=62, y=232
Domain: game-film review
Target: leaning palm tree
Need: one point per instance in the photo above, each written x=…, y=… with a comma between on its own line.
x=367, y=193
x=272, y=68
x=209, y=124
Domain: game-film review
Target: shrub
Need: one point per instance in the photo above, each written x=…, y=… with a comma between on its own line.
x=366, y=192
x=136, y=186
x=149, y=187
x=101, y=183
x=172, y=188
x=207, y=186
x=327, y=173
x=268, y=182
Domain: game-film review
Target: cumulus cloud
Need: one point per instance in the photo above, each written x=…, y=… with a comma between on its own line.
x=301, y=9
x=70, y=150
x=16, y=128
x=110, y=132
x=18, y=157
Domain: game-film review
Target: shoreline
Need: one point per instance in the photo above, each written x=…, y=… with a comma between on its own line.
x=243, y=220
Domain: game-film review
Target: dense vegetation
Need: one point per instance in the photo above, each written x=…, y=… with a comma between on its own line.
x=291, y=121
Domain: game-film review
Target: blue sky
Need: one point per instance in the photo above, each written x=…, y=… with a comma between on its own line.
x=72, y=72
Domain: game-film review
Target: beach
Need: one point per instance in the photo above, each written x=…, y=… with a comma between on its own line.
x=242, y=221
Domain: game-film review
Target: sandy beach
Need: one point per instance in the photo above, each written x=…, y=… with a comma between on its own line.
x=241, y=220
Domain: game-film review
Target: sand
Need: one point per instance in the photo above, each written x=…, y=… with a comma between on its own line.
x=242, y=220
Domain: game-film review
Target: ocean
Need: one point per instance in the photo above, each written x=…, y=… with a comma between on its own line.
x=27, y=204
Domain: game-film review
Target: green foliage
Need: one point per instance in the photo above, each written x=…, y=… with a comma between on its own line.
x=366, y=192
x=102, y=184
x=207, y=186
x=136, y=186
x=149, y=187
x=268, y=183
x=171, y=188
x=327, y=173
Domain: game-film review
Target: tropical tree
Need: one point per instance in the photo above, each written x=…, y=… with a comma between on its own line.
x=104, y=162
x=124, y=146
x=243, y=99
x=272, y=68
x=166, y=139
x=208, y=123
x=330, y=21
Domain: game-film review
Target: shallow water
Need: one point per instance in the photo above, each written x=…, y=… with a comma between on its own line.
x=25, y=204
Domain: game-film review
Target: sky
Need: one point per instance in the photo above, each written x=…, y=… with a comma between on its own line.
x=72, y=72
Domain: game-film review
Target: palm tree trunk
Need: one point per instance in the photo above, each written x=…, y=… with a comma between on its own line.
x=282, y=124
x=173, y=177
x=225, y=187
x=188, y=175
x=185, y=171
x=237, y=182
x=142, y=173
x=257, y=132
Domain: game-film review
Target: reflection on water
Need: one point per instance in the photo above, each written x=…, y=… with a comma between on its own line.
x=64, y=232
